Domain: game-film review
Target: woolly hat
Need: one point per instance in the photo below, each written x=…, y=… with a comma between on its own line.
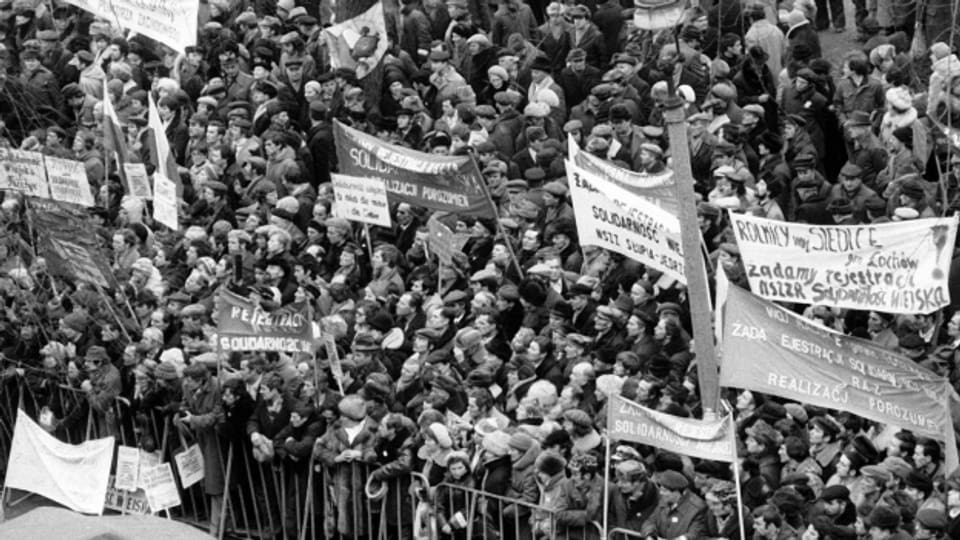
x=496, y=443
x=551, y=464
x=940, y=50
x=521, y=441
x=899, y=98
x=578, y=418
x=441, y=434
x=166, y=371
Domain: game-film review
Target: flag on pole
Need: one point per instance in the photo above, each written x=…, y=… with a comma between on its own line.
x=165, y=164
x=114, y=140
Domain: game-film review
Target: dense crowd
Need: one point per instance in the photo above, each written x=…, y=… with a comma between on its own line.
x=492, y=372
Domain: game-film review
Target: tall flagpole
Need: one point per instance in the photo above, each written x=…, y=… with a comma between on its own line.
x=606, y=485
x=736, y=470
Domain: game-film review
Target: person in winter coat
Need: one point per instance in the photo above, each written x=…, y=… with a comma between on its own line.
x=523, y=485
x=581, y=497
x=803, y=99
x=343, y=450
x=633, y=498
x=550, y=477
x=453, y=498
x=493, y=475
x=294, y=446
x=680, y=512
x=395, y=457
x=201, y=412
x=945, y=66
x=800, y=32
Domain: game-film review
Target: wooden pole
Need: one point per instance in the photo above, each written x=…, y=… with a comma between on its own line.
x=697, y=287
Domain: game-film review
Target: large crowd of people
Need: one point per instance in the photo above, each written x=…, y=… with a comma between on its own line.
x=492, y=372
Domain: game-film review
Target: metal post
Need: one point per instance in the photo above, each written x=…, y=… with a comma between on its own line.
x=697, y=287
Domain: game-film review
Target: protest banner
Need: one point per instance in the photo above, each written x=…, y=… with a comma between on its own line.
x=138, y=180
x=160, y=487
x=610, y=217
x=75, y=261
x=809, y=363
x=23, y=171
x=894, y=267
x=705, y=439
x=128, y=467
x=658, y=188
x=243, y=325
x=359, y=43
x=75, y=476
x=124, y=501
x=442, y=241
x=68, y=181
x=360, y=199
x=447, y=183
x=165, y=201
x=171, y=22
x=189, y=465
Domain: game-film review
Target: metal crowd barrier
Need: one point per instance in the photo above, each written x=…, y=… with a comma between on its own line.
x=280, y=499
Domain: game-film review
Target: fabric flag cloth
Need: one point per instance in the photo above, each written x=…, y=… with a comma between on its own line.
x=75, y=476
x=614, y=218
x=358, y=43
x=165, y=163
x=114, y=140
x=900, y=267
x=243, y=325
x=705, y=439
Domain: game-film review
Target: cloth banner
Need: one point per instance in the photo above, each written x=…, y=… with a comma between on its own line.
x=447, y=183
x=75, y=476
x=658, y=188
x=809, y=363
x=358, y=43
x=243, y=325
x=23, y=171
x=613, y=218
x=705, y=439
x=75, y=261
x=68, y=181
x=360, y=199
x=658, y=14
x=893, y=267
x=171, y=22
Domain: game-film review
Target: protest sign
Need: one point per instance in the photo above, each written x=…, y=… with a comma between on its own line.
x=447, y=183
x=658, y=188
x=243, y=325
x=360, y=199
x=358, y=44
x=443, y=242
x=610, y=217
x=138, y=180
x=128, y=467
x=893, y=267
x=160, y=487
x=807, y=362
x=171, y=22
x=705, y=439
x=75, y=476
x=23, y=171
x=126, y=502
x=333, y=357
x=165, y=201
x=147, y=460
x=68, y=181
x=189, y=465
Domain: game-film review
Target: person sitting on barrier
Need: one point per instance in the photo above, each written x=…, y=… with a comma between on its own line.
x=681, y=514
x=581, y=497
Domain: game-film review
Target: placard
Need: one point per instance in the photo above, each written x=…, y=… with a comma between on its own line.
x=128, y=468
x=23, y=171
x=360, y=199
x=68, y=182
x=165, y=201
x=138, y=181
x=126, y=502
x=897, y=267
x=160, y=487
x=190, y=465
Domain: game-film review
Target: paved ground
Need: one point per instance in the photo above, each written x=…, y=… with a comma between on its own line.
x=835, y=45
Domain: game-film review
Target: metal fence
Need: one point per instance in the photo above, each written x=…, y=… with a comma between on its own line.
x=286, y=499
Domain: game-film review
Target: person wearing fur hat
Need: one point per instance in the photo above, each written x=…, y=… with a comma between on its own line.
x=524, y=451
x=343, y=449
x=550, y=477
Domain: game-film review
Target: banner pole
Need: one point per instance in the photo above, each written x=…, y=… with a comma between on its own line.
x=366, y=232
x=503, y=232
x=736, y=474
x=606, y=487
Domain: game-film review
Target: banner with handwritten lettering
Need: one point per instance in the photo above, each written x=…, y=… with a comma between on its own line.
x=807, y=362
x=658, y=188
x=68, y=181
x=705, y=439
x=893, y=267
x=447, y=183
x=362, y=199
x=171, y=22
x=610, y=217
x=243, y=325
x=23, y=171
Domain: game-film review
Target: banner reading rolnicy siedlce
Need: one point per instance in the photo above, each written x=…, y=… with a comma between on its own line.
x=242, y=325
x=809, y=363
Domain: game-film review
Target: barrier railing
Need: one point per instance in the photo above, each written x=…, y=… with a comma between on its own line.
x=282, y=498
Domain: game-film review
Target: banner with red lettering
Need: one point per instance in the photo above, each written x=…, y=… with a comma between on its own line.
x=243, y=325
x=893, y=267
